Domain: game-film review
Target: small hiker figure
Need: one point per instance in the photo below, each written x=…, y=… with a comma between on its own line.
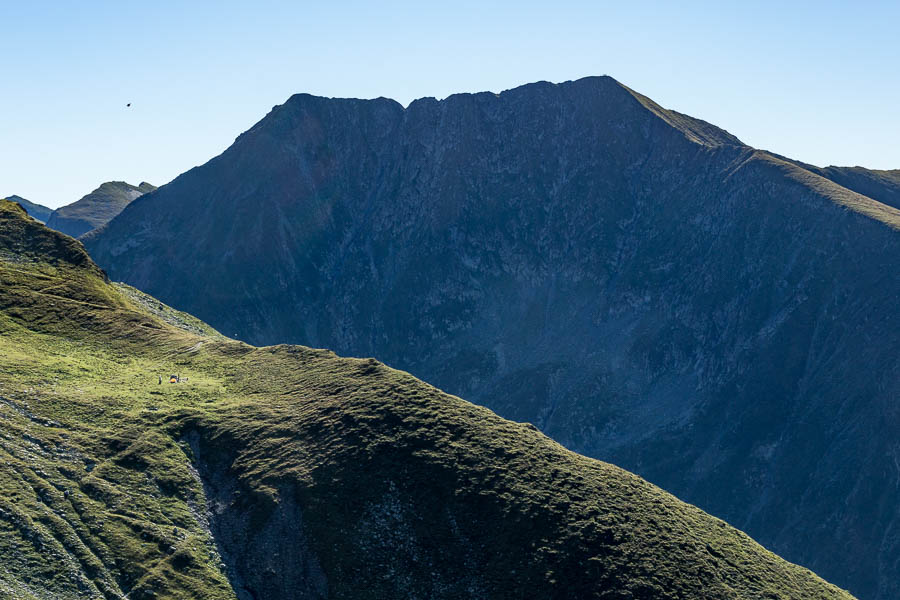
x=160, y=380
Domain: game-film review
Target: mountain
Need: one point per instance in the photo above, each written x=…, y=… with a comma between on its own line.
x=287, y=472
x=97, y=208
x=637, y=283
x=39, y=212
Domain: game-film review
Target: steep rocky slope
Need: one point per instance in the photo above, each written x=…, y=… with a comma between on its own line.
x=97, y=208
x=637, y=283
x=289, y=473
x=38, y=211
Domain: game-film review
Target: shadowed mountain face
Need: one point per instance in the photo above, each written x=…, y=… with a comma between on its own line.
x=97, y=208
x=287, y=473
x=637, y=283
x=38, y=211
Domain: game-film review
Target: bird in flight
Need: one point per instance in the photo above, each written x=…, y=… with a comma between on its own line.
x=128, y=105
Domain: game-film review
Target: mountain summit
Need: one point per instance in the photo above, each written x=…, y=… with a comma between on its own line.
x=637, y=283
x=97, y=208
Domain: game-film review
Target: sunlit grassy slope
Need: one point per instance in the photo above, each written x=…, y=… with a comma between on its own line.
x=288, y=472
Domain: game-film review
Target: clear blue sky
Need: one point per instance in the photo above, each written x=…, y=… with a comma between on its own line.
x=817, y=81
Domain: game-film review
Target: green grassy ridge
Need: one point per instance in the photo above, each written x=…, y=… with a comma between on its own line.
x=37, y=211
x=404, y=490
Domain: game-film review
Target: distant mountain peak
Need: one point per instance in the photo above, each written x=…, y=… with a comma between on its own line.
x=97, y=208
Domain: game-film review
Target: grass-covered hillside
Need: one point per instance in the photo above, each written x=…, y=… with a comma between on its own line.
x=288, y=472
x=38, y=211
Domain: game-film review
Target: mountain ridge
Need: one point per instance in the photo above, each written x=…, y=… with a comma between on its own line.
x=880, y=185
